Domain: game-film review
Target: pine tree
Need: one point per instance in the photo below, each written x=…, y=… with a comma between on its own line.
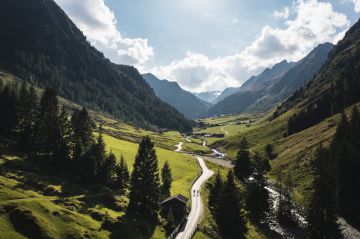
x=123, y=175
x=261, y=164
x=230, y=221
x=215, y=195
x=8, y=111
x=257, y=200
x=145, y=183
x=78, y=152
x=92, y=162
x=87, y=164
x=345, y=154
x=100, y=155
x=108, y=170
x=269, y=150
x=62, y=153
x=22, y=106
x=47, y=130
x=166, y=177
x=29, y=106
x=341, y=155
x=321, y=213
x=83, y=127
x=243, y=167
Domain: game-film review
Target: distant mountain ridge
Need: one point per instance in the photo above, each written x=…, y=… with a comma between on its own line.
x=171, y=93
x=208, y=96
x=258, y=82
x=272, y=86
x=40, y=44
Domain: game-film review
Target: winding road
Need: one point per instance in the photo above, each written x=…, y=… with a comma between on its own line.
x=179, y=147
x=197, y=206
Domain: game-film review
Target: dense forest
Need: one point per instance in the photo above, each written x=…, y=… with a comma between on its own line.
x=336, y=181
x=341, y=94
x=40, y=44
x=72, y=146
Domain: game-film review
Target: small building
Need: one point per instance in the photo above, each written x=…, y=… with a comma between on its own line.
x=176, y=204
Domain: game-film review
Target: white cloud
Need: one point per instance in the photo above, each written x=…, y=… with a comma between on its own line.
x=356, y=5
x=196, y=72
x=98, y=23
x=314, y=22
x=282, y=14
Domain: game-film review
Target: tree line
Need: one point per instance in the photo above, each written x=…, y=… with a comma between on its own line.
x=225, y=201
x=43, y=129
x=78, y=72
x=336, y=181
x=341, y=93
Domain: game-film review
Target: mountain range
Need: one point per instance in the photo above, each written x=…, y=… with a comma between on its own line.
x=335, y=87
x=171, y=93
x=272, y=86
x=40, y=44
x=208, y=96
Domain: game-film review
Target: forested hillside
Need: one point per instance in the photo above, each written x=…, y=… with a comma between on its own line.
x=40, y=44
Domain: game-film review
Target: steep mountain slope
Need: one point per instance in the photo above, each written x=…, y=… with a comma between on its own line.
x=258, y=82
x=173, y=94
x=262, y=92
x=335, y=87
x=208, y=96
x=294, y=78
x=238, y=99
x=39, y=43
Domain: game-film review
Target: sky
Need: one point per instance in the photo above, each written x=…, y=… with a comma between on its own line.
x=208, y=45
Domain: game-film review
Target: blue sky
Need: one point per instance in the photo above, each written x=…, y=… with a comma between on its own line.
x=209, y=44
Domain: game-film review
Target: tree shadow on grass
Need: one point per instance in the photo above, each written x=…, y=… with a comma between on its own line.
x=131, y=228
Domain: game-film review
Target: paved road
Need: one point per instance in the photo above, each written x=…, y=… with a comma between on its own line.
x=196, y=202
x=179, y=147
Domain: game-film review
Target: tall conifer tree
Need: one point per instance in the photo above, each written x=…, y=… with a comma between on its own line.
x=166, y=177
x=321, y=213
x=145, y=182
x=242, y=162
x=47, y=129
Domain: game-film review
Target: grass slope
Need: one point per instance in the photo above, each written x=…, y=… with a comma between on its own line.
x=184, y=167
x=294, y=152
